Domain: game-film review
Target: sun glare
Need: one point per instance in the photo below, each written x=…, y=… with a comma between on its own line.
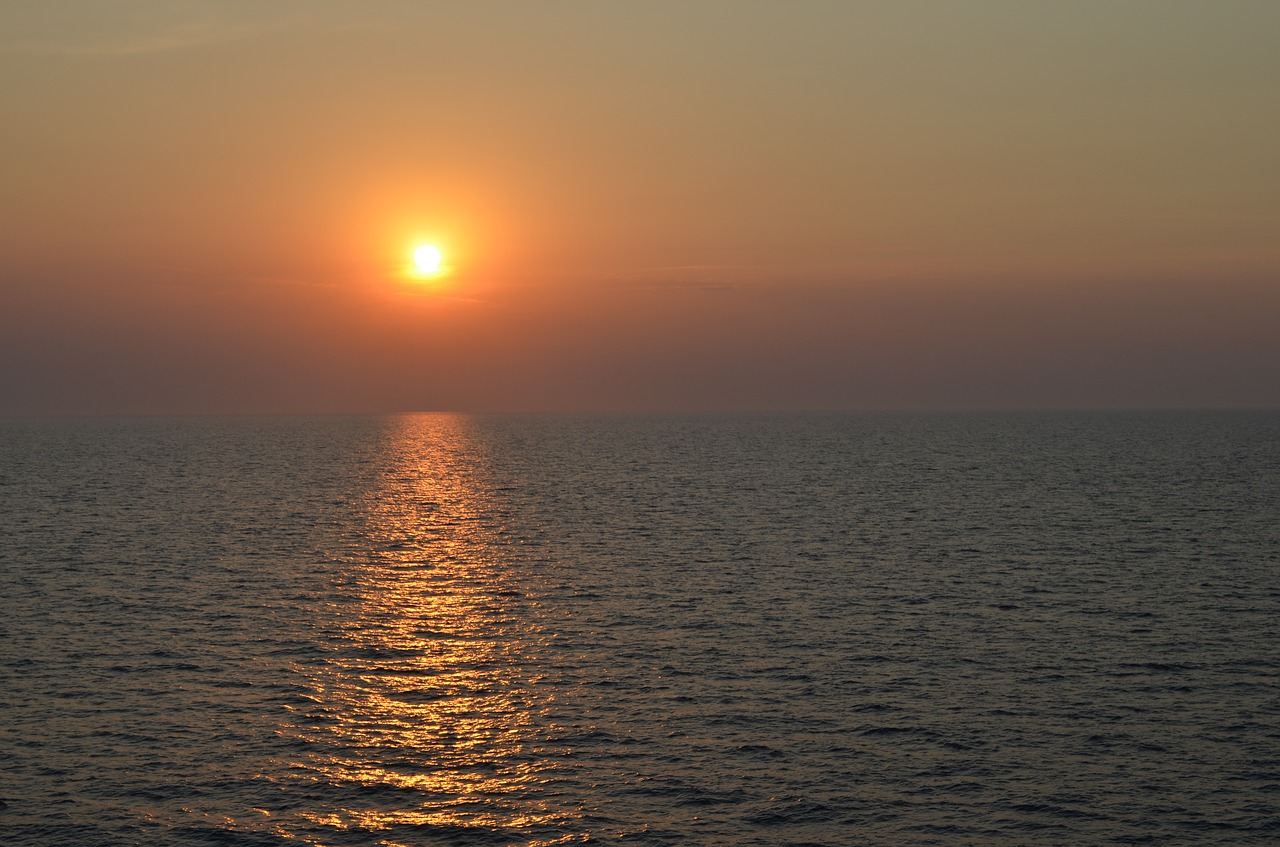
x=428, y=260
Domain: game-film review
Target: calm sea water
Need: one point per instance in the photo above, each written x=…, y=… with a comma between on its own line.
x=422, y=630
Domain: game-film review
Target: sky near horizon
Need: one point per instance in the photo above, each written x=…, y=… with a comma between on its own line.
x=207, y=207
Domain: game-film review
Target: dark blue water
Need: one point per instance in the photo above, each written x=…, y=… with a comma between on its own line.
x=1048, y=629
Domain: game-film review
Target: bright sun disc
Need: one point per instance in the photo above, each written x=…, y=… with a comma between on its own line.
x=427, y=259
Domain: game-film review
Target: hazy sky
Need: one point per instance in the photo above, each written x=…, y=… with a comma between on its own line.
x=206, y=206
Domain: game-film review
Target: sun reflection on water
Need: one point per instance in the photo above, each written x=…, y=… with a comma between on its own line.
x=424, y=714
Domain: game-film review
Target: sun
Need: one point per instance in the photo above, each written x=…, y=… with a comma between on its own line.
x=428, y=260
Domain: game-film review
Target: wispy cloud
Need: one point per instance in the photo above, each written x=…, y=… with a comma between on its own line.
x=164, y=42
x=725, y=277
x=117, y=28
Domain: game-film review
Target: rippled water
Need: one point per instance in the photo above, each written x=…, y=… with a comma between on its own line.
x=1057, y=629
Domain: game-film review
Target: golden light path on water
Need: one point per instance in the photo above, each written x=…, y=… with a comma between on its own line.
x=427, y=705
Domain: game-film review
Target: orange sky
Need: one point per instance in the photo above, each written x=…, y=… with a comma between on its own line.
x=700, y=205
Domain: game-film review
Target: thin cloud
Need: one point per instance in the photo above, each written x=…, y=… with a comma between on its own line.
x=121, y=29
x=174, y=40
x=728, y=277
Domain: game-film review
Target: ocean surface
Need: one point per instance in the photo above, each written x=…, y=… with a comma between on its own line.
x=718, y=630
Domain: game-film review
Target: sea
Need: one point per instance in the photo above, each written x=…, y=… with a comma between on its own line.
x=437, y=629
